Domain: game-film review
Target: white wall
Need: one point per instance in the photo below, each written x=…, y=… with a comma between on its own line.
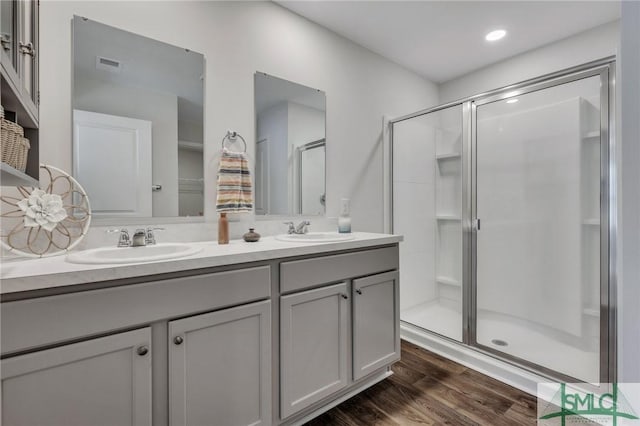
x=159, y=108
x=629, y=194
x=238, y=38
x=587, y=46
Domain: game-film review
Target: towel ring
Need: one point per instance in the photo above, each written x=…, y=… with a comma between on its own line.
x=232, y=136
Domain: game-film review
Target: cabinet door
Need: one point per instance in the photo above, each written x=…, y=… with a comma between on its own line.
x=220, y=367
x=314, y=346
x=19, y=22
x=376, y=323
x=104, y=381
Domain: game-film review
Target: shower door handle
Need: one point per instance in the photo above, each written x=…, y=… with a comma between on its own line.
x=476, y=224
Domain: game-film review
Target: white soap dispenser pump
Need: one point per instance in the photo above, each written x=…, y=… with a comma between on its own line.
x=344, y=220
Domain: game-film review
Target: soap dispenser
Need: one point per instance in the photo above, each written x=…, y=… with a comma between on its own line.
x=344, y=220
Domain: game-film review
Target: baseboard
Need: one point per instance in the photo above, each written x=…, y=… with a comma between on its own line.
x=500, y=370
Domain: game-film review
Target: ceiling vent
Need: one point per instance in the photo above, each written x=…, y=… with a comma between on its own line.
x=107, y=64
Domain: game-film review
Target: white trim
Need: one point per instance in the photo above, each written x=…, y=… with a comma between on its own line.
x=485, y=364
x=386, y=176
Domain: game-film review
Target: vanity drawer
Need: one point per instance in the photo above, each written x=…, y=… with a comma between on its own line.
x=306, y=273
x=43, y=321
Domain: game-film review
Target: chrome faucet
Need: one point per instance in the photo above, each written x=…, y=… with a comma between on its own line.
x=139, y=238
x=300, y=229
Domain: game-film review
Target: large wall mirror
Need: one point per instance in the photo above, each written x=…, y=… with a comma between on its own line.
x=138, y=123
x=290, y=148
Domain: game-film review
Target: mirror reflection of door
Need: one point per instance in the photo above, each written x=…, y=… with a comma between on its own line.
x=262, y=177
x=311, y=190
x=110, y=159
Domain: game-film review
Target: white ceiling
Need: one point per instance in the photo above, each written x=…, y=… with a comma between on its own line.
x=442, y=40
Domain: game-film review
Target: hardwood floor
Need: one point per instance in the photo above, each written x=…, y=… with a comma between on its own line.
x=428, y=389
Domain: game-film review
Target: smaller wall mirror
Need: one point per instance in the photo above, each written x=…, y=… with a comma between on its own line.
x=138, y=123
x=290, y=148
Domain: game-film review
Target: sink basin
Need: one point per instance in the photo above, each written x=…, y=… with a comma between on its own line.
x=162, y=251
x=315, y=237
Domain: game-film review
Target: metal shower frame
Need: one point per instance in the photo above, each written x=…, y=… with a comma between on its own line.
x=605, y=69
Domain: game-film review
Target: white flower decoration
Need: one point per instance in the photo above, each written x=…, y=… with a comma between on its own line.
x=42, y=209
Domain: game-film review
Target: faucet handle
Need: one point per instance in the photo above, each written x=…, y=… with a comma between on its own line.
x=151, y=236
x=123, y=239
x=292, y=227
x=302, y=227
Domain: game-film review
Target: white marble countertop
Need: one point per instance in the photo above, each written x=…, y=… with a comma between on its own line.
x=54, y=272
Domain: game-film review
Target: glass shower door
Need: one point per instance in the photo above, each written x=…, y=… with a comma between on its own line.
x=427, y=211
x=538, y=235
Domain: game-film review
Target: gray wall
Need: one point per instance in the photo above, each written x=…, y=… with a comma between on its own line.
x=629, y=226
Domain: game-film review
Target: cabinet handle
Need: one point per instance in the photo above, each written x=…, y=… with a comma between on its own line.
x=178, y=340
x=143, y=350
x=358, y=291
x=5, y=40
x=27, y=49
x=344, y=296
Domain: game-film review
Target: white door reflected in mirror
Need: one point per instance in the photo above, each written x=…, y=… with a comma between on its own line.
x=108, y=158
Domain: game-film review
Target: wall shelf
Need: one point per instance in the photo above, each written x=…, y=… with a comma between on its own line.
x=10, y=176
x=449, y=156
x=592, y=135
x=593, y=312
x=448, y=281
x=448, y=217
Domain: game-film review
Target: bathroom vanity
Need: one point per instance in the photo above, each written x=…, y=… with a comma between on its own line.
x=244, y=334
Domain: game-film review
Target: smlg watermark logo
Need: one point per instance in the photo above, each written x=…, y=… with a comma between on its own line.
x=615, y=404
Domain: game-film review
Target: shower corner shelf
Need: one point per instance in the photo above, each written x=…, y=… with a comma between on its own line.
x=449, y=156
x=448, y=281
x=592, y=222
x=447, y=217
x=592, y=135
x=593, y=312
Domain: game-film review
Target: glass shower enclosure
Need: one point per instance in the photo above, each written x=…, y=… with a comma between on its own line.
x=504, y=201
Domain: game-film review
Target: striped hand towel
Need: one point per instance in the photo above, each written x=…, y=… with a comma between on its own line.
x=234, y=183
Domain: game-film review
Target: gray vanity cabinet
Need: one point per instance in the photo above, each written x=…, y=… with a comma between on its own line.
x=314, y=346
x=220, y=367
x=102, y=381
x=376, y=323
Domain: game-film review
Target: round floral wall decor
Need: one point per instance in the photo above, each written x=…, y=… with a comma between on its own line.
x=45, y=221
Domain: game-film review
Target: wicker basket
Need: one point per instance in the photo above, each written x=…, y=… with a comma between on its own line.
x=22, y=153
x=14, y=148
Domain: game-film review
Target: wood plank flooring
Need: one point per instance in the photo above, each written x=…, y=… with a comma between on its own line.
x=428, y=389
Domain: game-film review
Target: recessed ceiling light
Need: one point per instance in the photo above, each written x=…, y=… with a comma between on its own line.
x=495, y=35
x=512, y=101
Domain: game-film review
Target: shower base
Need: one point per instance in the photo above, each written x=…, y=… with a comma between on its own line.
x=524, y=340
